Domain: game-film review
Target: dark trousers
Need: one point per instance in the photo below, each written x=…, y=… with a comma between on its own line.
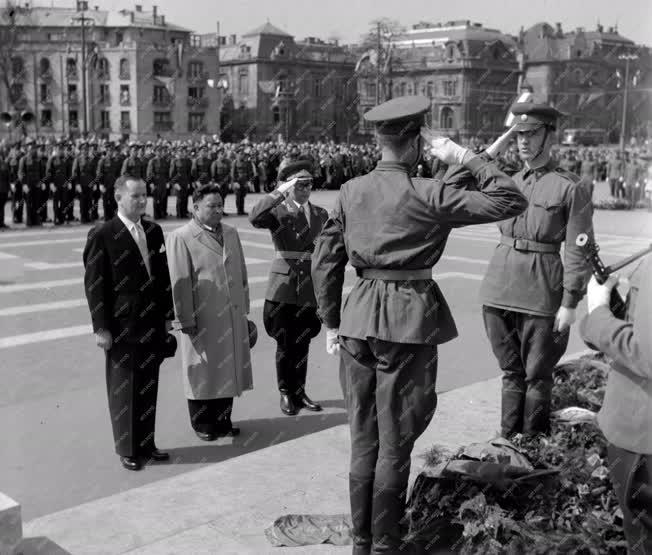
x=211, y=415
x=390, y=397
x=96, y=195
x=109, y=204
x=68, y=203
x=58, y=205
x=32, y=205
x=43, y=195
x=631, y=476
x=86, y=204
x=132, y=387
x=240, y=194
x=182, y=202
x=527, y=350
x=3, y=200
x=160, y=198
x=614, y=187
x=292, y=327
x=17, y=202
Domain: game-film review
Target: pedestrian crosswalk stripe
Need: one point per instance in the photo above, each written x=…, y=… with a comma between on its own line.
x=16, y=287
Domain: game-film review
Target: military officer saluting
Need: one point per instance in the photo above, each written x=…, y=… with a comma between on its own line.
x=290, y=310
x=392, y=229
x=528, y=296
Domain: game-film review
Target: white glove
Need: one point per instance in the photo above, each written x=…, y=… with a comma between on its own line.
x=285, y=187
x=449, y=152
x=332, y=342
x=499, y=146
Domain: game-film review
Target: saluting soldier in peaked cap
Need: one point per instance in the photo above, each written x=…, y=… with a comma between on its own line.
x=392, y=229
x=529, y=297
x=290, y=311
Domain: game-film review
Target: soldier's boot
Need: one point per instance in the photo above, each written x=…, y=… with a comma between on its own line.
x=361, y=492
x=536, y=412
x=512, y=406
x=388, y=522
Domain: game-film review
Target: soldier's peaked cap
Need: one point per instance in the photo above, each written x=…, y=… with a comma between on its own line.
x=293, y=168
x=529, y=115
x=400, y=116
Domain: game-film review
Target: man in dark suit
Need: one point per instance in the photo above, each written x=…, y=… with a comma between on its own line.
x=290, y=311
x=127, y=285
x=625, y=414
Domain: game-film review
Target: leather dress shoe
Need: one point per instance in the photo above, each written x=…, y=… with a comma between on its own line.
x=131, y=463
x=287, y=405
x=157, y=455
x=206, y=436
x=306, y=402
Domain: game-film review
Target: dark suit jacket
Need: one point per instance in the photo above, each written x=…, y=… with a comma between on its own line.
x=121, y=296
x=289, y=280
x=626, y=414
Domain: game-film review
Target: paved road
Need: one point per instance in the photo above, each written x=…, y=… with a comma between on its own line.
x=54, y=426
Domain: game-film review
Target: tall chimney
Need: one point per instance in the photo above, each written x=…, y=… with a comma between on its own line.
x=154, y=12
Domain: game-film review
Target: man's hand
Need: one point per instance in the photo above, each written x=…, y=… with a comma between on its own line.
x=177, y=187
x=500, y=145
x=78, y=188
x=600, y=295
x=53, y=188
x=12, y=186
x=449, y=152
x=564, y=319
x=102, y=189
x=104, y=339
x=332, y=342
x=285, y=188
x=191, y=330
x=25, y=189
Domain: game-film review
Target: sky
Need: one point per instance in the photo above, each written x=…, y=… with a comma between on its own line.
x=347, y=20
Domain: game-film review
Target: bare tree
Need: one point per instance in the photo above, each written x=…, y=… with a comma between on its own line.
x=11, y=16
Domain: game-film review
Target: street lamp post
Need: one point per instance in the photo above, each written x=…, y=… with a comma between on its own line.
x=83, y=20
x=623, y=125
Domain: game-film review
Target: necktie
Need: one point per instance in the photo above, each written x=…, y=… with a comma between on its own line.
x=306, y=210
x=141, y=241
x=304, y=226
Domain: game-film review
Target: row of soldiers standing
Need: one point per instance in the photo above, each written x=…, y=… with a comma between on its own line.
x=84, y=175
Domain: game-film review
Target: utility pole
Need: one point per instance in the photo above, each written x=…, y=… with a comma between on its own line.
x=623, y=125
x=83, y=6
x=378, y=58
x=217, y=84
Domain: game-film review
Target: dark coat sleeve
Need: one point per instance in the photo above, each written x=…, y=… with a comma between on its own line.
x=476, y=193
x=262, y=215
x=97, y=279
x=628, y=344
x=328, y=268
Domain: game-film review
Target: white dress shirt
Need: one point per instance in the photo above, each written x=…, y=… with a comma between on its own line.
x=138, y=233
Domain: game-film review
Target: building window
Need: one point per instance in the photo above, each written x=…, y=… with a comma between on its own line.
x=450, y=52
x=276, y=115
x=17, y=68
x=73, y=119
x=16, y=92
x=315, y=117
x=429, y=89
x=119, y=38
x=125, y=97
x=44, y=68
x=163, y=121
x=371, y=89
x=161, y=68
x=316, y=88
x=125, y=121
x=282, y=83
x=44, y=93
x=446, y=118
x=195, y=92
x=161, y=95
x=105, y=119
x=103, y=71
x=195, y=70
x=71, y=69
x=243, y=84
x=104, y=93
x=450, y=88
x=402, y=89
x=124, y=69
x=46, y=118
x=196, y=123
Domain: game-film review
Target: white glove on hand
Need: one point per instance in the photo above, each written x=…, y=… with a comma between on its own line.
x=449, y=152
x=499, y=146
x=332, y=342
x=283, y=188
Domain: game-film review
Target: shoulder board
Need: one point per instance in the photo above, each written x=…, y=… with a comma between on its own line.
x=568, y=174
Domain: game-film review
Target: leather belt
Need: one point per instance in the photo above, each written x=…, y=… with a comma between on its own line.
x=529, y=246
x=294, y=255
x=394, y=275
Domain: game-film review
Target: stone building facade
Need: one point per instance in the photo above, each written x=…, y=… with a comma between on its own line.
x=279, y=88
x=146, y=78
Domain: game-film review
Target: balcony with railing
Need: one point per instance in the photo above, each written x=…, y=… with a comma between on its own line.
x=104, y=99
x=45, y=74
x=198, y=77
x=19, y=75
x=72, y=74
x=73, y=98
x=46, y=100
x=125, y=99
x=162, y=101
x=103, y=75
x=125, y=125
x=125, y=74
x=197, y=103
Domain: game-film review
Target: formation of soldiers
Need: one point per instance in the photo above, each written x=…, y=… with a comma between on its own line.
x=83, y=172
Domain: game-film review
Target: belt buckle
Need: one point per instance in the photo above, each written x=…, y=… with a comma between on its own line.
x=522, y=244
